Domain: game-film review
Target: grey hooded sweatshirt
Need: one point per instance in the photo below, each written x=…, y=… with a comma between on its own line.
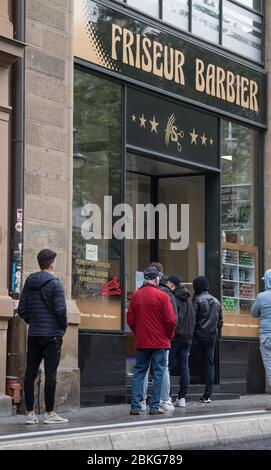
x=262, y=306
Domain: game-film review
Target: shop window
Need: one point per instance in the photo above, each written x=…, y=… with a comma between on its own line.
x=253, y=4
x=176, y=12
x=148, y=6
x=240, y=225
x=242, y=31
x=205, y=19
x=97, y=173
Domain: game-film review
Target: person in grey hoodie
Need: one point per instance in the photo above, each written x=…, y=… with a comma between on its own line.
x=43, y=307
x=262, y=309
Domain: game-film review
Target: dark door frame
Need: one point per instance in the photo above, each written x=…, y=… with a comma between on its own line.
x=212, y=231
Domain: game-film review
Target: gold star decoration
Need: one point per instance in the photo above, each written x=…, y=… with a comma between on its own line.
x=211, y=141
x=154, y=125
x=142, y=121
x=203, y=139
x=194, y=137
x=133, y=118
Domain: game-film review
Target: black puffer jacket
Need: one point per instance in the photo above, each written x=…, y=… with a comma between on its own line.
x=43, y=306
x=209, y=320
x=165, y=288
x=186, y=314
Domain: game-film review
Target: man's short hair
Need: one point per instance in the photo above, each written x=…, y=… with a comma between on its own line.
x=45, y=258
x=158, y=266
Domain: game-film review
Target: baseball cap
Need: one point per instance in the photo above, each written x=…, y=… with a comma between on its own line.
x=151, y=273
x=175, y=279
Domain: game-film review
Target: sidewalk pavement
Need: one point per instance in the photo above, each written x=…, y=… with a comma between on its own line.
x=112, y=428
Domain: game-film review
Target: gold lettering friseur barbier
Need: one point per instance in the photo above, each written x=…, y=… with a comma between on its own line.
x=162, y=60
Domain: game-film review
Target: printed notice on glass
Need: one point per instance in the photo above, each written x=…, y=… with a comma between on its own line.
x=139, y=279
x=91, y=252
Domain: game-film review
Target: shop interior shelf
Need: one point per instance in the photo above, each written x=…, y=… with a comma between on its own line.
x=247, y=298
x=240, y=277
x=247, y=267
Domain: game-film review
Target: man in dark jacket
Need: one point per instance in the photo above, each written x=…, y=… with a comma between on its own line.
x=43, y=307
x=209, y=322
x=152, y=319
x=181, y=343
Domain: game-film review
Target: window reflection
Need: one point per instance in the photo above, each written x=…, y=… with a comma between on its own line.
x=148, y=6
x=176, y=12
x=205, y=19
x=242, y=31
x=240, y=222
x=97, y=163
x=240, y=153
x=253, y=4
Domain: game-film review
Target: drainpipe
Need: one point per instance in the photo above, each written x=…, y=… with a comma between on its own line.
x=15, y=330
x=17, y=156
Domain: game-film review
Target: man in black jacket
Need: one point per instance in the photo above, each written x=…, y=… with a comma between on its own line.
x=43, y=307
x=209, y=322
x=181, y=343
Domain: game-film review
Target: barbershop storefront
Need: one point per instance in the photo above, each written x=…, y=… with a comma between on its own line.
x=164, y=118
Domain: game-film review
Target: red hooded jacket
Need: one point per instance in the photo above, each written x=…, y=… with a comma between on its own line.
x=151, y=318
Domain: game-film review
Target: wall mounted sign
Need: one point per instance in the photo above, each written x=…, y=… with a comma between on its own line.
x=168, y=128
x=138, y=51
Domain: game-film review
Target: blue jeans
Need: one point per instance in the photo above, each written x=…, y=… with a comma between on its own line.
x=265, y=348
x=144, y=357
x=165, y=390
x=207, y=348
x=180, y=352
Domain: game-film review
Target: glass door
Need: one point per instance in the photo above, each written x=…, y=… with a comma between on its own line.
x=186, y=189
x=155, y=186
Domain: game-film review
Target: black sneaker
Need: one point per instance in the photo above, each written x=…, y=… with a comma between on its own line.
x=156, y=412
x=135, y=411
x=205, y=400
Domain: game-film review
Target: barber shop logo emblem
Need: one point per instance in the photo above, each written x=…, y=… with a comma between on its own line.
x=172, y=134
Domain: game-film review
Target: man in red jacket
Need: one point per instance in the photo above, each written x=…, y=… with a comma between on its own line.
x=152, y=319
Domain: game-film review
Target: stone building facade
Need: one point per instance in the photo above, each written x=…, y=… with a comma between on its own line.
x=10, y=52
x=48, y=159
x=48, y=57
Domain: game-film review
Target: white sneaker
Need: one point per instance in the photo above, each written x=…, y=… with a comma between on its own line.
x=143, y=405
x=205, y=400
x=166, y=405
x=54, y=419
x=180, y=403
x=31, y=419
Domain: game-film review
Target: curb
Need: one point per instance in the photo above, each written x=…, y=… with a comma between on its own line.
x=164, y=437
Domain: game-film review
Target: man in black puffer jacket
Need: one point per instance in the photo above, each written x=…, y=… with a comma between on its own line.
x=43, y=307
x=181, y=343
x=209, y=322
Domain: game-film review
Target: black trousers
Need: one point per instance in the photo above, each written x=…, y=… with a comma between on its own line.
x=49, y=349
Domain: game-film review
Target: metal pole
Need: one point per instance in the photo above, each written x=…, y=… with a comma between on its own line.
x=17, y=155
